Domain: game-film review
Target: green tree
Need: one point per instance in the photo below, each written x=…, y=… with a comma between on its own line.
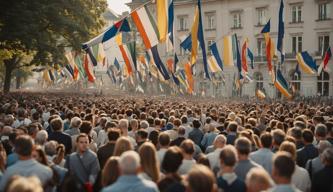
x=44, y=29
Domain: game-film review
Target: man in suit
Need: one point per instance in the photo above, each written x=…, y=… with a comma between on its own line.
x=309, y=151
x=106, y=151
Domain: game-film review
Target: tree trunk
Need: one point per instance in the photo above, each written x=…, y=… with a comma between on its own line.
x=18, y=82
x=10, y=65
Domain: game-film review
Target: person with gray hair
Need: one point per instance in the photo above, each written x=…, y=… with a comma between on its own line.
x=74, y=126
x=314, y=165
x=41, y=137
x=213, y=157
x=123, y=126
x=129, y=164
x=144, y=124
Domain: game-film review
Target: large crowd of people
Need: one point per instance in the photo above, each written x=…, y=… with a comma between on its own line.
x=71, y=142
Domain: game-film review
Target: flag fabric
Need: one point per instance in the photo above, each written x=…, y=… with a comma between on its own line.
x=244, y=58
x=215, y=57
x=71, y=60
x=201, y=39
x=156, y=59
x=186, y=43
x=260, y=94
x=88, y=69
x=120, y=26
x=306, y=62
x=46, y=76
x=238, y=57
x=297, y=71
x=161, y=10
x=281, y=32
x=189, y=77
x=250, y=55
x=146, y=27
x=170, y=39
x=116, y=64
x=228, y=50
x=194, y=36
x=282, y=85
x=270, y=48
x=69, y=71
x=327, y=57
x=128, y=54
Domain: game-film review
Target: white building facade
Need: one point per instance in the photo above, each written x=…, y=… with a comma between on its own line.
x=308, y=27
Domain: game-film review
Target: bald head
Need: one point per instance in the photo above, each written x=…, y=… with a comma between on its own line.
x=129, y=163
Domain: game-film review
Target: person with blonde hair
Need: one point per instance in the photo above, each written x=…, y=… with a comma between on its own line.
x=257, y=179
x=209, y=136
x=123, y=144
x=111, y=171
x=201, y=178
x=149, y=163
x=24, y=184
x=300, y=177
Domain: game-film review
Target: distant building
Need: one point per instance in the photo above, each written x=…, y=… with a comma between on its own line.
x=308, y=26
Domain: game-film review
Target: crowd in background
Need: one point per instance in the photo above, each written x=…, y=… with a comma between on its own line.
x=63, y=142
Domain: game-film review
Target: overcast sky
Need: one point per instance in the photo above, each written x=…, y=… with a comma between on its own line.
x=118, y=6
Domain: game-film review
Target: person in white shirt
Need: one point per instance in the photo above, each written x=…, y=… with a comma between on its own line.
x=214, y=157
x=300, y=177
x=163, y=142
x=187, y=147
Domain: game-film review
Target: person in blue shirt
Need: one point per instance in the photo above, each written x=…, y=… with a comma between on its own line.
x=129, y=180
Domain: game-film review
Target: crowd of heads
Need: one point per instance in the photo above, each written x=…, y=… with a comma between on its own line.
x=96, y=143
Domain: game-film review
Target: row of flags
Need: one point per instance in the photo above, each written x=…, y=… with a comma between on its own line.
x=109, y=49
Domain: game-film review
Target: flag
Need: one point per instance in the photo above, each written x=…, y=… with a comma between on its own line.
x=111, y=74
x=282, y=85
x=250, y=55
x=297, y=71
x=261, y=95
x=228, y=50
x=244, y=59
x=70, y=58
x=186, y=43
x=170, y=40
x=120, y=26
x=146, y=26
x=189, y=77
x=88, y=69
x=194, y=36
x=306, y=62
x=270, y=48
x=128, y=53
x=69, y=71
x=281, y=32
x=101, y=58
x=156, y=59
x=215, y=57
x=201, y=39
x=239, y=62
x=161, y=9
x=46, y=76
x=327, y=57
x=116, y=64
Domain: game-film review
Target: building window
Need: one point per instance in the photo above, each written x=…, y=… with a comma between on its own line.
x=323, y=41
x=261, y=47
x=297, y=44
x=182, y=23
x=258, y=77
x=323, y=11
x=296, y=13
x=209, y=43
x=323, y=84
x=211, y=21
x=295, y=81
x=261, y=15
x=236, y=20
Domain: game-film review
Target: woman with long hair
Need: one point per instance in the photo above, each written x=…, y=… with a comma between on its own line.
x=149, y=162
x=111, y=171
x=123, y=144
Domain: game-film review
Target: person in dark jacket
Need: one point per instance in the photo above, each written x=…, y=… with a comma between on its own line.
x=309, y=151
x=59, y=136
x=322, y=180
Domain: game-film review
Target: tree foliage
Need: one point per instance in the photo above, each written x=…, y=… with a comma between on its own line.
x=44, y=29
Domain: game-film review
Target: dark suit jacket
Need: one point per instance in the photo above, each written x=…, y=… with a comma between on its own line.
x=177, y=141
x=231, y=139
x=304, y=154
x=104, y=152
x=62, y=138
